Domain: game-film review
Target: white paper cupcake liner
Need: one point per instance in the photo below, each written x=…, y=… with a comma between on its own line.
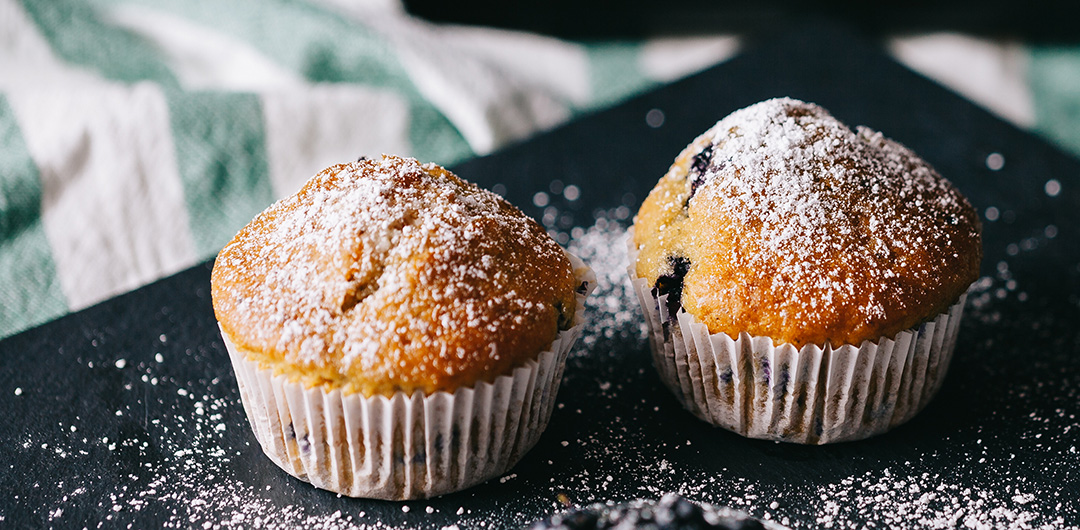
x=811, y=395
x=406, y=446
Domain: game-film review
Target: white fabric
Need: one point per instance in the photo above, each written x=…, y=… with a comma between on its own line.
x=668, y=59
x=307, y=131
x=990, y=73
x=113, y=206
x=27, y=60
x=204, y=59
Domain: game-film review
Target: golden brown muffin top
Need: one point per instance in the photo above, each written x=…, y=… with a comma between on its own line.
x=387, y=275
x=782, y=222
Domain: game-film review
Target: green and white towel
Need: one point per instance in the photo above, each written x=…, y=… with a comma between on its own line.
x=136, y=136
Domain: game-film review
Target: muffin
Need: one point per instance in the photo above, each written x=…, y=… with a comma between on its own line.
x=803, y=281
x=396, y=332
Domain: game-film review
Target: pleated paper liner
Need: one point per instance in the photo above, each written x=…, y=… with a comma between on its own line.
x=811, y=395
x=405, y=446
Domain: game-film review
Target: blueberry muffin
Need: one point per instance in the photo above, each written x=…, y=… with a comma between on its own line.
x=834, y=261
x=396, y=331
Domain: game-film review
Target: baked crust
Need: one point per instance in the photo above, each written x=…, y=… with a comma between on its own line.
x=782, y=222
x=388, y=275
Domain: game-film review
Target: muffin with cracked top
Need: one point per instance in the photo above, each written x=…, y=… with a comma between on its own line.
x=396, y=331
x=803, y=281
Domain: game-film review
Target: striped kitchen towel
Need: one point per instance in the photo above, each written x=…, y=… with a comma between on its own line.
x=136, y=136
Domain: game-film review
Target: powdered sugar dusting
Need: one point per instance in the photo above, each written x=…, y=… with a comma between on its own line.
x=313, y=278
x=610, y=440
x=838, y=229
x=927, y=500
x=612, y=307
x=997, y=454
x=791, y=168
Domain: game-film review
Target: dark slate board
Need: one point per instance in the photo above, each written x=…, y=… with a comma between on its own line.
x=99, y=430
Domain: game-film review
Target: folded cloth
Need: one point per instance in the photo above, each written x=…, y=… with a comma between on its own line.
x=137, y=136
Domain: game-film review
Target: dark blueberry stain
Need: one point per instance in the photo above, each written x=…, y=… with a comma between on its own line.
x=362, y=158
x=726, y=376
x=784, y=377
x=583, y=288
x=290, y=432
x=305, y=443
x=672, y=284
x=564, y=320
x=701, y=160
x=455, y=438
x=766, y=369
x=698, y=167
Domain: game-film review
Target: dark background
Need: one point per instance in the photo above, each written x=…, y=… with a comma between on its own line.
x=1035, y=21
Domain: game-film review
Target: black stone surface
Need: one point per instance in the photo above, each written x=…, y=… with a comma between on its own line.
x=98, y=431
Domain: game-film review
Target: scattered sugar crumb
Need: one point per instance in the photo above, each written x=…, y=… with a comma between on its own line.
x=188, y=478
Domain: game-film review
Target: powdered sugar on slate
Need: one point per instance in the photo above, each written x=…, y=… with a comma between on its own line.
x=612, y=308
x=193, y=475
